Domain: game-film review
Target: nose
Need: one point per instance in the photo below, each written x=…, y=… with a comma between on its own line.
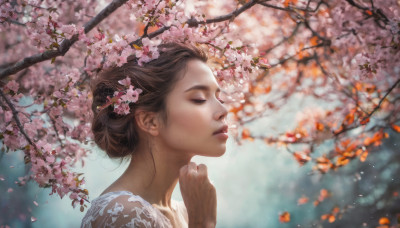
x=222, y=112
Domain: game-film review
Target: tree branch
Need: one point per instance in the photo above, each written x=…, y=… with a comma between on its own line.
x=65, y=45
x=285, y=38
x=293, y=8
x=378, y=14
x=281, y=61
x=383, y=98
x=194, y=23
x=15, y=116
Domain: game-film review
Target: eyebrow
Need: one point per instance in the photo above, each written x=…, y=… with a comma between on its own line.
x=201, y=87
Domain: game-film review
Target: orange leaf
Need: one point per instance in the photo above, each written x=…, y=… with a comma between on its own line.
x=267, y=89
x=349, y=119
x=300, y=54
x=364, y=121
x=288, y=2
x=314, y=41
x=384, y=221
x=396, y=128
x=142, y=26
x=301, y=157
x=358, y=86
x=323, y=195
x=363, y=156
x=335, y=210
x=319, y=126
x=339, y=130
x=331, y=218
x=246, y=134
x=324, y=217
x=284, y=217
x=302, y=200
x=345, y=142
x=235, y=110
x=323, y=164
x=341, y=161
x=370, y=88
x=368, y=141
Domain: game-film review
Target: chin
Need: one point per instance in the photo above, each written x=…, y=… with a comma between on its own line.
x=217, y=153
x=214, y=151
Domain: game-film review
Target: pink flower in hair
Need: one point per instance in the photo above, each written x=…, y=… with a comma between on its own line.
x=122, y=99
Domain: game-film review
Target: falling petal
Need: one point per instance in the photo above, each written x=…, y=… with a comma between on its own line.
x=284, y=217
x=10, y=190
x=384, y=221
x=34, y=202
x=33, y=219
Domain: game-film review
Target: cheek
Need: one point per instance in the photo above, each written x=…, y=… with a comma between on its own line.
x=189, y=126
x=190, y=120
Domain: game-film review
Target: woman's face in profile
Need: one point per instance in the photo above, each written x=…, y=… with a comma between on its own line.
x=195, y=112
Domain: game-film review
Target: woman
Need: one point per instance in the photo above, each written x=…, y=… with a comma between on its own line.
x=178, y=115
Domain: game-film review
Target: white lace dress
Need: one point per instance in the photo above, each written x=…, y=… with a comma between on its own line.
x=124, y=209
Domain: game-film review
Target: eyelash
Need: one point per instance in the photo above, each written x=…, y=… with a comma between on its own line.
x=202, y=101
x=199, y=101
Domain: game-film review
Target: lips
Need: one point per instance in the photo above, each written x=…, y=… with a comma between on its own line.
x=223, y=129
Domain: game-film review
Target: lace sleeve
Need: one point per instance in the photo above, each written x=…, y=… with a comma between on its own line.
x=124, y=211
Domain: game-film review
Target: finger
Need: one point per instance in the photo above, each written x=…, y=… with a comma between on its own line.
x=192, y=167
x=183, y=170
x=202, y=170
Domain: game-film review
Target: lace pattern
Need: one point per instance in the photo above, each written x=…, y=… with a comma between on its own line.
x=124, y=209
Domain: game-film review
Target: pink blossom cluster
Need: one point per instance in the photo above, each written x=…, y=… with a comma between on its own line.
x=123, y=98
x=47, y=32
x=50, y=166
x=7, y=12
x=379, y=35
x=55, y=174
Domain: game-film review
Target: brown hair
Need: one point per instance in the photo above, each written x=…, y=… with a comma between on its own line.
x=117, y=134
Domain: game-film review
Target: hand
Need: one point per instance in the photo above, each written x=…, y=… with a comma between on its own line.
x=199, y=195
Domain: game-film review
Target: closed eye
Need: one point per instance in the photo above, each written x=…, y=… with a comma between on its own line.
x=199, y=101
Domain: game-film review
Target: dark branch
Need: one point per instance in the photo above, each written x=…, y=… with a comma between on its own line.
x=232, y=15
x=383, y=98
x=65, y=45
x=285, y=38
x=372, y=112
x=15, y=116
x=194, y=23
x=303, y=49
x=294, y=8
x=378, y=14
x=150, y=21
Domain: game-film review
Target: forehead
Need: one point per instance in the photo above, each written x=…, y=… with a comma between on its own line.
x=196, y=73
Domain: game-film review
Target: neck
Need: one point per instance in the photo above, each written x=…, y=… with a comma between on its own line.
x=156, y=181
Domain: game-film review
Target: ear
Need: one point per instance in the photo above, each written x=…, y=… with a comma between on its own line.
x=148, y=122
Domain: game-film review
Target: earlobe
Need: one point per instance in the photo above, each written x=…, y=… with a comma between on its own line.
x=148, y=122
